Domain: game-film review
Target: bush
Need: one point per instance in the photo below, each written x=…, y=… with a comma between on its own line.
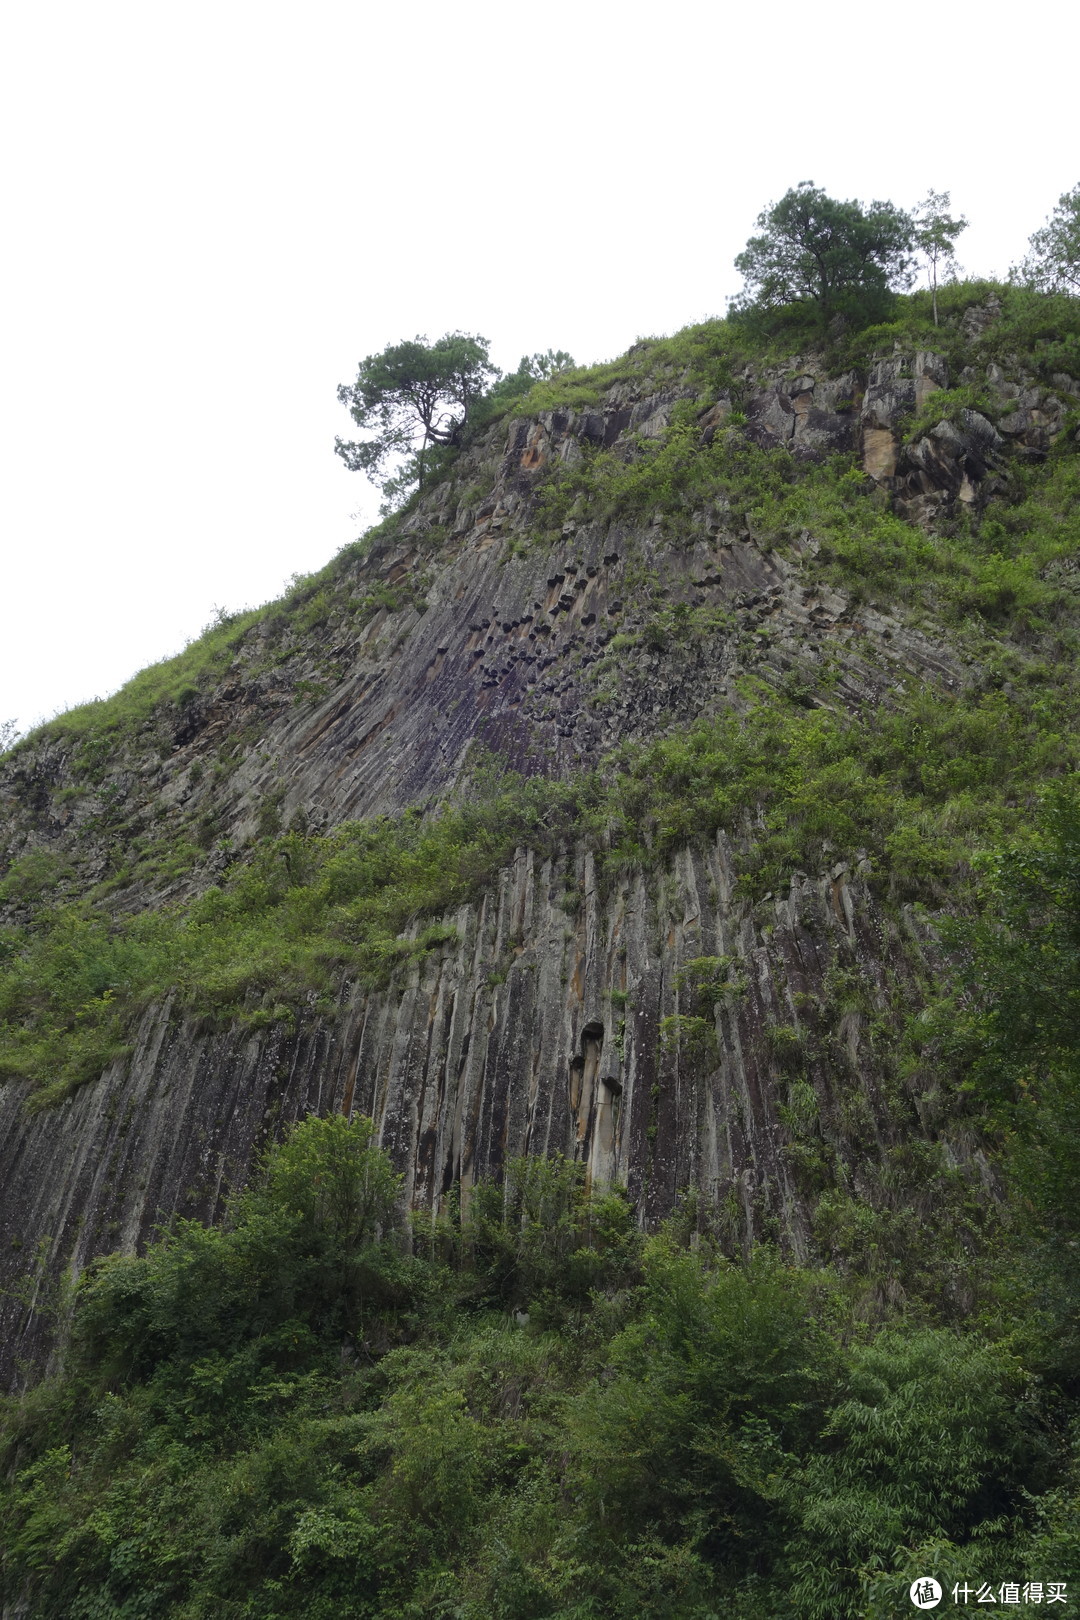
x=303, y=1242
x=933, y=1438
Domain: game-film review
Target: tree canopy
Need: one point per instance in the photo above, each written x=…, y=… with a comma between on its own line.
x=841, y=257
x=1053, y=264
x=417, y=394
x=412, y=395
x=531, y=368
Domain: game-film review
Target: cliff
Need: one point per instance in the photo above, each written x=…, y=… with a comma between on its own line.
x=770, y=633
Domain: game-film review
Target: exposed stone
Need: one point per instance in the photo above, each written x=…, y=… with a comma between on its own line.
x=811, y=416
x=879, y=452
x=952, y=461
x=483, y=1049
x=534, y=1033
x=976, y=320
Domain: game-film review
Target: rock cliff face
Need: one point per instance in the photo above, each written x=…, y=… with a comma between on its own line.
x=565, y=1015
x=464, y=629
x=542, y=1029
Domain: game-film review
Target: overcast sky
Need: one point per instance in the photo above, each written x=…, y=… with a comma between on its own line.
x=213, y=212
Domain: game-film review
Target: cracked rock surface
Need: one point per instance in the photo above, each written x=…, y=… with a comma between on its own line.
x=541, y=1028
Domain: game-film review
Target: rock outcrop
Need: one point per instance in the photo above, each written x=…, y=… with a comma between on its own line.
x=463, y=629
x=563, y=1018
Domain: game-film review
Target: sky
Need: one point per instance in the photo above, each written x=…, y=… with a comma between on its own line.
x=213, y=212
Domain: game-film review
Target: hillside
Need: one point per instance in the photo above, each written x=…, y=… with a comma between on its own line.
x=678, y=791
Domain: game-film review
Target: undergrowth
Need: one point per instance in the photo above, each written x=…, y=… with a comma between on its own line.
x=678, y=479
x=916, y=787
x=537, y=1412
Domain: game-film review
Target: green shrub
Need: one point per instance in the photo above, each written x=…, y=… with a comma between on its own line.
x=931, y=1439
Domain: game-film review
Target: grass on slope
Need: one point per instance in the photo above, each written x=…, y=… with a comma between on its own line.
x=918, y=789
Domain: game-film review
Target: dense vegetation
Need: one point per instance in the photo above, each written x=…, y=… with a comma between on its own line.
x=536, y=1412
x=435, y=390
x=839, y=257
x=528, y=1408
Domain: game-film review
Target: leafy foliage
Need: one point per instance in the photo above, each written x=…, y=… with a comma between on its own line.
x=515, y=385
x=932, y=1437
x=841, y=257
x=914, y=788
x=935, y=237
x=441, y=392
x=287, y=1415
x=302, y=1242
x=1018, y=1038
x=1053, y=264
x=531, y=1407
x=413, y=388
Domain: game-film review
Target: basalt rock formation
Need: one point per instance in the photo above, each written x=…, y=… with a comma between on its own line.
x=566, y=1010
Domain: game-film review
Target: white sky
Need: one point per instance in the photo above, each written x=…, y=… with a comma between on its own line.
x=212, y=212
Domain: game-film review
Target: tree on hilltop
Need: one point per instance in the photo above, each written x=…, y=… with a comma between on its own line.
x=841, y=257
x=413, y=391
x=418, y=394
x=1053, y=264
x=532, y=368
x=935, y=236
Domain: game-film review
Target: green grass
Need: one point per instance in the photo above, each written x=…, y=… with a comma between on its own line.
x=676, y=478
x=917, y=789
x=990, y=567
x=917, y=786
x=175, y=681
x=312, y=603
x=709, y=357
